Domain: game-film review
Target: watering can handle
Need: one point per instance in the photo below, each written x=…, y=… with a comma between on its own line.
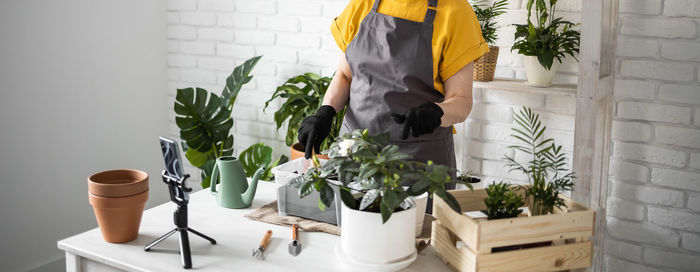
x=214, y=176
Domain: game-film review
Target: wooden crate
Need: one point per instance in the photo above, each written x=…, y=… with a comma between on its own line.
x=555, y=242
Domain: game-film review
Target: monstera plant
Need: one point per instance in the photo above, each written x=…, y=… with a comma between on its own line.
x=205, y=122
x=258, y=155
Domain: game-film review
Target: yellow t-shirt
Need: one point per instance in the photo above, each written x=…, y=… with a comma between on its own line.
x=457, y=39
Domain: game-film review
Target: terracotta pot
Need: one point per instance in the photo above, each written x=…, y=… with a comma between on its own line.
x=119, y=218
x=118, y=183
x=118, y=198
x=298, y=151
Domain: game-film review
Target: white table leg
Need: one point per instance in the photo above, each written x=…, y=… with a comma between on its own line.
x=73, y=262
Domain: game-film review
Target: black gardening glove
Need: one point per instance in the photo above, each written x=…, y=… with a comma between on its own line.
x=315, y=128
x=420, y=120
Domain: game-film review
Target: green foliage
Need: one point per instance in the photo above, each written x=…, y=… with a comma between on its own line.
x=302, y=96
x=502, y=201
x=486, y=16
x=259, y=155
x=546, y=170
x=366, y=164
x=205, y=120
x=549, y=38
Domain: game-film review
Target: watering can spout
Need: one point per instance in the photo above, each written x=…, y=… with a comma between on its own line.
x=249, y=194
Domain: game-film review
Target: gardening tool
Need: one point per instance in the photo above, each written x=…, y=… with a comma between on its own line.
x=260, y=251
x=234, y=191
x=295, y=246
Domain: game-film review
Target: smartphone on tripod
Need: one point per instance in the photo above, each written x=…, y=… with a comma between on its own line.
x=173, y=165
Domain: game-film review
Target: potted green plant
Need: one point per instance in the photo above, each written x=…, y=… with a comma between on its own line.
x=205, y=120
x=302, y=95
x=485, y=66
x=546, y=169
x=378, y=214
x=502, y=201
x=543, y=41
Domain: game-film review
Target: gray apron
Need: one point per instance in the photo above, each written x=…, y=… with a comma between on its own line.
x=391, y=60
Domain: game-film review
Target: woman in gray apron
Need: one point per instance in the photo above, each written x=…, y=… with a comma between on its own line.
x=386, y=81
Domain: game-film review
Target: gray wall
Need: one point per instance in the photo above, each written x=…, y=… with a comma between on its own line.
x=82, y=89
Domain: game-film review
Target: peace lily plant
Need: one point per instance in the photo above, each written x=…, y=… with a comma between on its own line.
x=378, y=214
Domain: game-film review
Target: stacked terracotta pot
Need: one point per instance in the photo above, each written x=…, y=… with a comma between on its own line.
x=118, y=198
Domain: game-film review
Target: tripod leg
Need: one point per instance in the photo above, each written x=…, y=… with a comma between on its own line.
x=149, y=246
x=185, y=249
x=211, y=240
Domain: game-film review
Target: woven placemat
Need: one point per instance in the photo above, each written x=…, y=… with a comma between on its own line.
x=268, y=214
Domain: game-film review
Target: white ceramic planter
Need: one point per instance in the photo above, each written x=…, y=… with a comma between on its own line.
x=421, y=204
x=536, y=74
x=365, y=240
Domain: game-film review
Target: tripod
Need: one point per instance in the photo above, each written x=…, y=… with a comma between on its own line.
x=178, y=194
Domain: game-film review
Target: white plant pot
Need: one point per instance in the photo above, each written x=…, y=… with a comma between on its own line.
x=536, y=74
x=365, y=240
x=421, y=205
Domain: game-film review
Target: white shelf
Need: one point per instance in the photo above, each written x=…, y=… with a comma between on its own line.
x=522, y=86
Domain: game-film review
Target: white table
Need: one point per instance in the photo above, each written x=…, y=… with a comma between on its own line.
x=236, y=236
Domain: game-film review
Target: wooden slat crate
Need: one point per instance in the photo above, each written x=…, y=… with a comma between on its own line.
x=555, y=242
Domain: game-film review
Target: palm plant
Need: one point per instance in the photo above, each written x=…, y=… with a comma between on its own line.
x=205, y=120
x=486, y=15
x=547, y=169
x=550, y=38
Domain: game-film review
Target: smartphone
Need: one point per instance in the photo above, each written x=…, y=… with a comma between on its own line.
x=173, y=161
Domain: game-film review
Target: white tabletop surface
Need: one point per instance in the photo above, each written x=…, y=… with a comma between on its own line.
x=236, y=236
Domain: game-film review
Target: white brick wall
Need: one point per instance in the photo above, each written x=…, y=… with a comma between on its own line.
x=653, y=210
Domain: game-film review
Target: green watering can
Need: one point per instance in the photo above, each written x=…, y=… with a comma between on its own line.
x=233, y=191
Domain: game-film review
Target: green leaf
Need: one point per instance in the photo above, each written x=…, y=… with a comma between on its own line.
x=321, y=206
x=196, y=158
x=207, y=168
x=306, y=189
x=236, y=80
x=449, y=199
x=386, y=212
x=348, y=198
x=254, y=157
x=368, y=199
x=203, y=125
x=327, y=195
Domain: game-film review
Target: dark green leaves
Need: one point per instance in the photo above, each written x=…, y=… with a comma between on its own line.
x=449, y=199
x=327, y=195
x=502, y=201
x=239, y=77
x=486, y=16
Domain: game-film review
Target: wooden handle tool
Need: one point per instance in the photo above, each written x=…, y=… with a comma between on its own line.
x=259, y=252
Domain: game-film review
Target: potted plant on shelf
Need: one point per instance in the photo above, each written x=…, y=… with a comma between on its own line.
x=485, y=66
x=302, y=95
x=545, y=42
x=205, y=120
x=378, y=215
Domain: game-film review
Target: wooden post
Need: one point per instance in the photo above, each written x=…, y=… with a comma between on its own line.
x=594, y=104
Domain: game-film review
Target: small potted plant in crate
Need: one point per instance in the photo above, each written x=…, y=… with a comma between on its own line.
x=554, y=236
x=302, y=95
x=378, y=214
x=545, y=42
x=485, y=66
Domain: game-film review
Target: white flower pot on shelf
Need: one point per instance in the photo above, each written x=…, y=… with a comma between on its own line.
x=368, y=245
x=536, y=74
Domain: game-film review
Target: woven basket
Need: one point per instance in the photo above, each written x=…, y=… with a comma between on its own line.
x=485, y=66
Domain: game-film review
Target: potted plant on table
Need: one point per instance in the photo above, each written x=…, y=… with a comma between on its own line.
x=485, y=66
x=545, y=42
x=205, y=120
x=302, y=96
x=378, y=214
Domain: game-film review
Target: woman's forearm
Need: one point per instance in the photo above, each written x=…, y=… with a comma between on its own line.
x=338, y=91
x=458, y=97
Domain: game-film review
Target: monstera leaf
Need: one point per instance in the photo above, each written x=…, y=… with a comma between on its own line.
x=236, y=80
x=204, y=125
x=259, y=155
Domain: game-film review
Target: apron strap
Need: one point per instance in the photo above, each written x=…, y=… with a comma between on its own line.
x=430, y=13
x=376, y=5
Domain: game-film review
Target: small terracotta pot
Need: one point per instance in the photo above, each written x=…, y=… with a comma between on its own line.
x=298, y=151
x=118, y=183
x=118, y=198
